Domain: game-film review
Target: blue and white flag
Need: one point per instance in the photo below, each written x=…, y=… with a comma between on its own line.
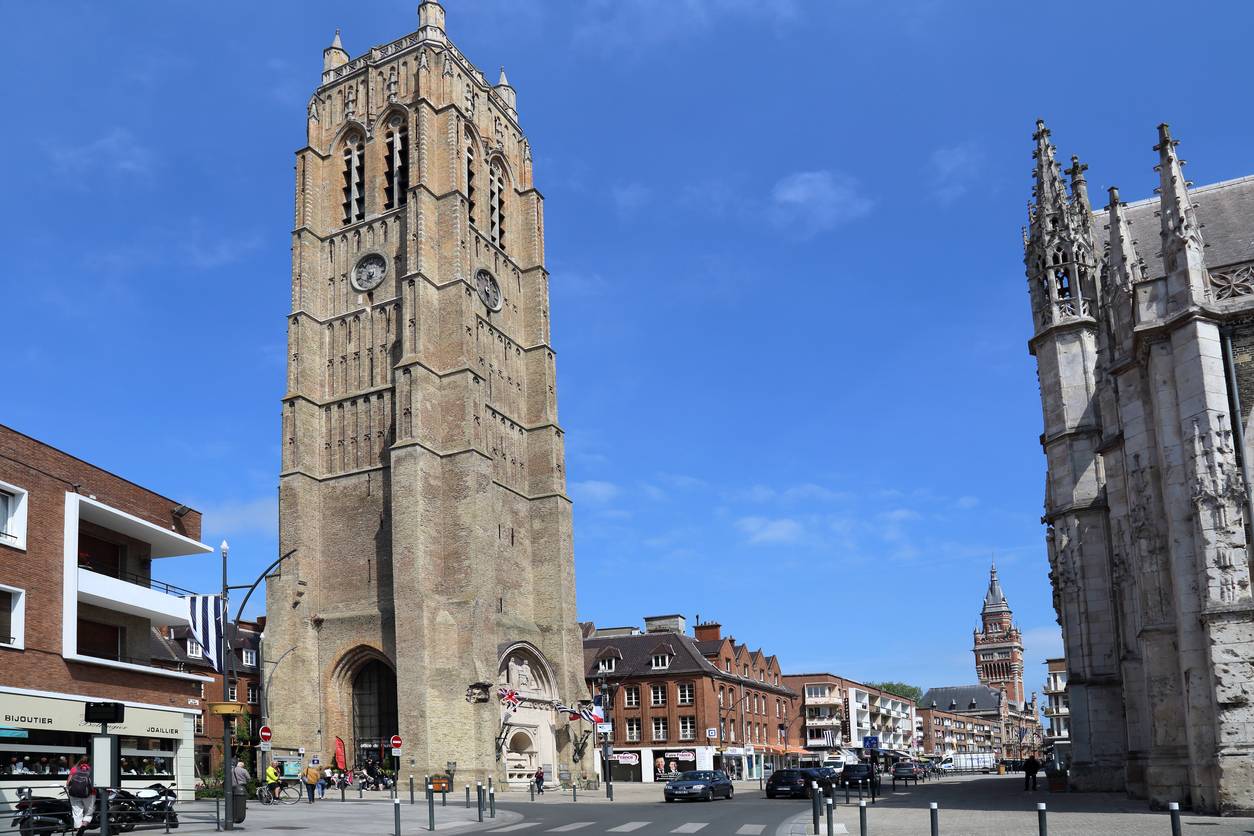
x=205, y=615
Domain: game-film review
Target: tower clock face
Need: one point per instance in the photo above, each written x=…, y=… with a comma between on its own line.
x=369, y=272
x=489, y=290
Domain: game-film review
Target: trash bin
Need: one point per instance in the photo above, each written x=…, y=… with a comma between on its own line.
x=239, y=803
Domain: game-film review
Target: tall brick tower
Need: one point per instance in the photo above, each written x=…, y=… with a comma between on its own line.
x=999, y=644
x=423, y=493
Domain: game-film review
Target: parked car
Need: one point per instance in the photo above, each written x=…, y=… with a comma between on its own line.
x=907, y=771
x=855, y=772
x=703, y=784
x=788, y=783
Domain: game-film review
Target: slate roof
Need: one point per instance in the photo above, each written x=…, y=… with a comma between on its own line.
x=1225, y=210
x=986, y=698
x=637, y=654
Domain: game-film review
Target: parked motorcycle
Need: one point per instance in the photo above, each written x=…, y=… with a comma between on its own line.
x=153, y=803
x=44, y=816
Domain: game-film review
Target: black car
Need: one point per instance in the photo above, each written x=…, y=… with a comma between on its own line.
x=703, y=784
x=788, y=783
x=853, y=773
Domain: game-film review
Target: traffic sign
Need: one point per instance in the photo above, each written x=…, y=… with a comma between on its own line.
x=396, y=752
x=605, y=728
x=870, y=742
x=265, y=734
x=396, y=741
x=711, y=733
x=263, y=746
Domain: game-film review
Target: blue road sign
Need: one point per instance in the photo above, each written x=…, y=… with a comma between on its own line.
x=870, y=743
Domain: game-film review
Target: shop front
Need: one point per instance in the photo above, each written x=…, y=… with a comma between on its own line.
x=42, y=736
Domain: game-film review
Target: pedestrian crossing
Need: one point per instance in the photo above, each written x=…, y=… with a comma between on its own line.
x=630, y=827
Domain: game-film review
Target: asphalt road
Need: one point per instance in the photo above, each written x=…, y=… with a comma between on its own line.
x=748, y=814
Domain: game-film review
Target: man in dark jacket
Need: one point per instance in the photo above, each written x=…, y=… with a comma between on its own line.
x=1030, y=767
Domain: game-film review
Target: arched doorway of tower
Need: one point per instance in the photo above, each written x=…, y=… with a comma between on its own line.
x=529, y=733
x=374, y=711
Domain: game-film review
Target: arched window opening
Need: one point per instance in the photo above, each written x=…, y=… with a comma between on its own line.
x=470, y=177
x=354, y=204
x=374, y=708
x=396, y=189
x=497, y=201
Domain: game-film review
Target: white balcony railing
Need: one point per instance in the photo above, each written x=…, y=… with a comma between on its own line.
x=160, y=608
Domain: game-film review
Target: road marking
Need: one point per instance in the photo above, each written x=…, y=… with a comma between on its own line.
x=690, y=827
x=575, y=825
x=750, y=829
x=628, y=827
x=520, y=826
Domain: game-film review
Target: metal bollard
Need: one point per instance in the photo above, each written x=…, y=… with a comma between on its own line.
x=1040, y=820
x=1174, y=809
x=814, y=805
x=479, y=799
x=861, y=781
x=609, y=790
x=217, y=815
x=396, y=815
x=492, y=802
x=830, y=830
x=411, y=789
x=934, y=812
x=341, y=793
x=430, y=808
x=361, y=786
x=444, y=796
x=574, y=792
x=863, y=830
x=468, y=796
x=846, y=783
x=531, y=789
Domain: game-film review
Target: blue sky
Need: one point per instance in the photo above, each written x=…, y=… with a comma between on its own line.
x=788, y=294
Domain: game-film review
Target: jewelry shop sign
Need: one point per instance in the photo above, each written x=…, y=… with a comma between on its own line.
x=24, y=712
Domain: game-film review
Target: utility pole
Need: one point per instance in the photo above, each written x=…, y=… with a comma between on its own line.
x=227, y=788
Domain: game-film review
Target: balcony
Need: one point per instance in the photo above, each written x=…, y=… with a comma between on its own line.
x=160, y=603
x=823, y=722
x=828, y=700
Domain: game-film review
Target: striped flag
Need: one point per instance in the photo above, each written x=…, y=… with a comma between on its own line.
x=571, y=713
x=594, y=713
x=205, y=615
x=829, y=738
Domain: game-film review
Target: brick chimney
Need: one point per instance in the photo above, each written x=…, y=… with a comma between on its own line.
x=708, y=631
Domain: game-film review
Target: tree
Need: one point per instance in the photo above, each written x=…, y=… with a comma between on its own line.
x=901, y=689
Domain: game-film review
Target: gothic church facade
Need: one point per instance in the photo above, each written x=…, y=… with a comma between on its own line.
x=1143, y=332
x=422, y=495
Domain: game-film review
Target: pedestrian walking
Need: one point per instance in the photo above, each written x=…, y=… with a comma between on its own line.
x=310, y=776
x=1030, y=767
x=539, y=777
x=82, y=795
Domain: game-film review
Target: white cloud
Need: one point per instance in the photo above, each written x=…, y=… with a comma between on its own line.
x=594, y=491
x=234, y=517
x=952, y=169
x=806, y=203
x=767, y=530
x=117, y=151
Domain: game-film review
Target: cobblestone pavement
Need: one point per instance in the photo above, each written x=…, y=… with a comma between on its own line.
x=999, y=806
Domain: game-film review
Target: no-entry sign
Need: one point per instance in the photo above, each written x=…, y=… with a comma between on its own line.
x=265, y=734
x=396, y=741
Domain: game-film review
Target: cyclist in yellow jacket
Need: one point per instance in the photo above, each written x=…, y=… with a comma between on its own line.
x=272, y=779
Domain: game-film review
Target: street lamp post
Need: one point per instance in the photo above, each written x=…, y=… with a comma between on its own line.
x=607, y=740
x=228, y=813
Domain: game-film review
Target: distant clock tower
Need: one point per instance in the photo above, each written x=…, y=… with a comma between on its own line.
x=999, y=645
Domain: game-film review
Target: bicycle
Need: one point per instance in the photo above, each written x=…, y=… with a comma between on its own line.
x=287, y=794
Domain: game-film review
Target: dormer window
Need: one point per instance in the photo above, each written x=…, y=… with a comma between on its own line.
x=606, y=665
x=661, y=661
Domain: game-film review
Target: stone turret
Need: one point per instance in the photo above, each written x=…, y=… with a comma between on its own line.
x=335, y=55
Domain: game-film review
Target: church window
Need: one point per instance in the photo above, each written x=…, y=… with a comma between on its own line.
x=396, y=189
x=470, y=177
x=496, y=202
x=354, y=203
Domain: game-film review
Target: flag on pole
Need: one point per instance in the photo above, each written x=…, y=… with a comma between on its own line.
x=829, y=738
x=594, y=713
x=571, y=713
x=206, y=618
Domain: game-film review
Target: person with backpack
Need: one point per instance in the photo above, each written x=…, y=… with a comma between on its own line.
x=82, y=795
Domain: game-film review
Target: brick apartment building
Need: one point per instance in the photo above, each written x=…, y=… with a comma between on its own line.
x=78, y=606
x=680, y=701
x=946, y=733
x=838, y=714
x=172, y=648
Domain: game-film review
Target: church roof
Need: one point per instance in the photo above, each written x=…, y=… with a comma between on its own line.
x=1224, y=209
x=960, y=697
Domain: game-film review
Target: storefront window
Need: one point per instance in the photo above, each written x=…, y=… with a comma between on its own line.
x=31, y=753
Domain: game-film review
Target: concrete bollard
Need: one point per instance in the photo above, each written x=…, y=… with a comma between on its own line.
x=1174, y=809
x=1040, y=820
x=396, y=811
x=863, y=829
x=934, y=812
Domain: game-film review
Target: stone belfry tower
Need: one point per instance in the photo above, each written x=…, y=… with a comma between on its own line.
x=423, y=493
x=999, y=644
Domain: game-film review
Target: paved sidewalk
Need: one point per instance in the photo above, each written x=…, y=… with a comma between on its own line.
x=372, y=815
x=999, y=806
